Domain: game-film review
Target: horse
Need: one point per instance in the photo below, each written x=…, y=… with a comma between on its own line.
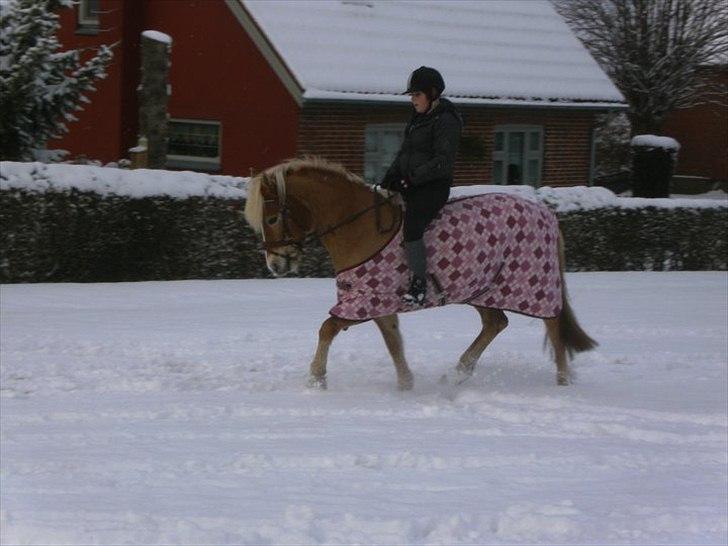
x=310, y=197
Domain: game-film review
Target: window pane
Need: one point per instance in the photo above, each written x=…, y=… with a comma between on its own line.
x=194, y=139
x=516, y=141
x=499, y=139
x=533, y=172
x=382, y=144
x=89, y=9
x=497, y=172
x=370, y=141
x=534, y=141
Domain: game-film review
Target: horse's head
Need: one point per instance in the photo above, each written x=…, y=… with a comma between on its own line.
x=282, y=222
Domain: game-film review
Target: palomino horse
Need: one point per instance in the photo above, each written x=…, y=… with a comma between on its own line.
x=311, y=197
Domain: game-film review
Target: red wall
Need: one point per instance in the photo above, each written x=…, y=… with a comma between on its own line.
x=702, y=132
x=97, y=133
x=217, y=74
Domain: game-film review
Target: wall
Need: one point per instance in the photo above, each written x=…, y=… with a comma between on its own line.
x=702, y=132
x=97, y=134
x=217, y=74
x=336, y=131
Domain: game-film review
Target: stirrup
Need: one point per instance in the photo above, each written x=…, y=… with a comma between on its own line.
x=417, y=291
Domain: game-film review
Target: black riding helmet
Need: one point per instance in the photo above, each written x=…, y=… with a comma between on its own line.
x=424, y=79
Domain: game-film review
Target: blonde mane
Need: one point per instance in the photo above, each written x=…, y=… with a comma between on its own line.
x=254, y=201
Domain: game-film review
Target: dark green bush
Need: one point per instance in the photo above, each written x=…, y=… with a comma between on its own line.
x=84, y=237
x=646, y=239
x=72, y=236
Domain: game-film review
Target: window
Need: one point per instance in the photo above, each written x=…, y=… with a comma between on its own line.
x=88, y=15
x=382, y=144
x=517, y=155
x=194, y=144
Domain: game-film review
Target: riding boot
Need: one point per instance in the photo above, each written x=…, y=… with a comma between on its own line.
x=417, y=259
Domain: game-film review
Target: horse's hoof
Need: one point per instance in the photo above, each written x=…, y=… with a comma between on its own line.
x=406, y=383
x=563, y=381
x=455, y=377
x=317, y=383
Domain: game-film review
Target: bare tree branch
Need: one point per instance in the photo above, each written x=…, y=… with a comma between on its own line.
x=655, y=51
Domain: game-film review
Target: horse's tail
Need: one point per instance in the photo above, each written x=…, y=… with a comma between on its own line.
x=574, y=338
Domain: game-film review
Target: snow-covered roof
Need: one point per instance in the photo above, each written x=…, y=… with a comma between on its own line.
x=489, y=52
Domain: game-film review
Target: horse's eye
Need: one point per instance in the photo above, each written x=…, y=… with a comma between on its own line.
x=272, y=220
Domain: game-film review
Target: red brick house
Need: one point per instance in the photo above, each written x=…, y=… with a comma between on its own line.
x=702, y=132
x=254, y=82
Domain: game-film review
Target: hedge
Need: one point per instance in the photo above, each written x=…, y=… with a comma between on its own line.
x=82, y=236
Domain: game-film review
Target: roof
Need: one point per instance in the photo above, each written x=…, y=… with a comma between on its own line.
x=489, y=52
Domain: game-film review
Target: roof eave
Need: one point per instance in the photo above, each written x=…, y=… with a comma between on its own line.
x=381, y=98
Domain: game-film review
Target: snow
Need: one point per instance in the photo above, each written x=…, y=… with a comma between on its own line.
x=490, y=52
x=144, y=183
x=654, y=141
x=176, y=413
x=135, y=183
x=158, y=36
x=569, y=199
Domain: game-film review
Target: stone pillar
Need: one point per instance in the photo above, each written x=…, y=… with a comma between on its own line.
x=154, y=93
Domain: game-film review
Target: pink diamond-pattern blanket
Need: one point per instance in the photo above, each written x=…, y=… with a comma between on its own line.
x=493, y=250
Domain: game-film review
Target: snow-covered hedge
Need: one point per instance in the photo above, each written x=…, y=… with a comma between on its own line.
x=81, y=223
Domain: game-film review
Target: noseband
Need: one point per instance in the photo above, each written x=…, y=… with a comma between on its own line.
x=285, y=217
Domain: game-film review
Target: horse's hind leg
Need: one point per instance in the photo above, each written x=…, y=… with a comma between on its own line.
x=494, y=322
x=563, y=372
x=330, y=327
x=389, y=326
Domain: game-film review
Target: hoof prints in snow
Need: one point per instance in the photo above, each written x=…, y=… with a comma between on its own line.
x=159, y=413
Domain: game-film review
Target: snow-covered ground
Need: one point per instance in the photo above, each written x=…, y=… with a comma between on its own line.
x=176, y=413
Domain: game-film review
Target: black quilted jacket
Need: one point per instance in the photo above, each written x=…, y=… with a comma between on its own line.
x=427, y=155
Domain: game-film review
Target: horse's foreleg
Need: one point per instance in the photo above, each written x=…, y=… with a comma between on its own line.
x=494, y=322
x=389, y=326
x=563, y=373
x=330, y=327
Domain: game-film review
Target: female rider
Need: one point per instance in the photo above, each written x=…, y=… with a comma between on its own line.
x=423, y=168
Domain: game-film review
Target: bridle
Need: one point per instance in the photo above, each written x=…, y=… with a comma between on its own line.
x=285, y=218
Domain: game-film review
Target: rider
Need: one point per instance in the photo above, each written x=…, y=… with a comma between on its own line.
x=423, y=169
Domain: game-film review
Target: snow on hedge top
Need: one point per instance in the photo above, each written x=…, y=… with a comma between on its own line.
x=488, y=52
x=586, y=198
x=653, y=141
x=136, y=183
x=41, y=177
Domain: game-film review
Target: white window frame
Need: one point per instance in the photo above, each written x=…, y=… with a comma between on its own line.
x=197, y=162
x=376, y=157
x=85, y=19
x=528, y=154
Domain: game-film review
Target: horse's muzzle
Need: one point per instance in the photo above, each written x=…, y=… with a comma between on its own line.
x=281, y=264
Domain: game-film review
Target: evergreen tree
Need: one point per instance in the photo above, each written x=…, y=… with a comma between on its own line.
x=40, y=86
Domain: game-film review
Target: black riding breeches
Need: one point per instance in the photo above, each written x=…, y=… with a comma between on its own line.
x=421, y=205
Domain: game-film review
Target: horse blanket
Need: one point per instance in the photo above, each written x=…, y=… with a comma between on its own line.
x=493, y=250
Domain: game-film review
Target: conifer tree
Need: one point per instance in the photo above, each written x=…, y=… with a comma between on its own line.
x=40, y=86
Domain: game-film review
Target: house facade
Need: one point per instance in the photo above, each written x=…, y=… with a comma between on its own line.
x=257, y=82
x=702, y=131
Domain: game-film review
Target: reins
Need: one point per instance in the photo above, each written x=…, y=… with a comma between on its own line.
x=284, y=216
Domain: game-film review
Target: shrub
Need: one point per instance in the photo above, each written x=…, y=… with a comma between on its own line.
x=63, y=223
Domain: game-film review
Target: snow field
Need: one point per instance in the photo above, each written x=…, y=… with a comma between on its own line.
x=176, y=413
